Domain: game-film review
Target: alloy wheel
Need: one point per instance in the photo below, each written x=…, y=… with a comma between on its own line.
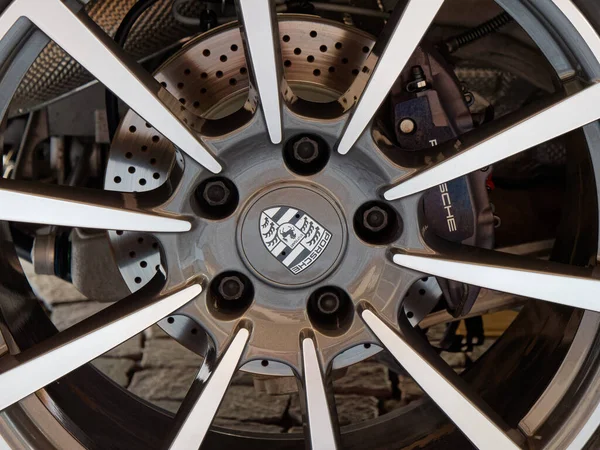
x=284, y=229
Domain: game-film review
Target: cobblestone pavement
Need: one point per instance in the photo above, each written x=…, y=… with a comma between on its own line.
x=158, y=369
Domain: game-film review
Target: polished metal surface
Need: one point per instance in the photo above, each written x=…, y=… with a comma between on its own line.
x=564, y=116
x=223, y=231
x=441, y=383
x=87, y=43
x=278, y=309
x=542, y=280
x=33, y=369
x=209, y=71
x=199, y=409
x=366, y=271
x=261, y=40
x=61, y=205
x=420, y=299
x=564, y=377
x=387, y=60
x=54, y=73
x=43, y=253
x=193, y=74
x=488, y=301
x=323, y=432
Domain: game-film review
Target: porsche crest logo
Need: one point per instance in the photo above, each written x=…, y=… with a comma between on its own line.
x=293, y=237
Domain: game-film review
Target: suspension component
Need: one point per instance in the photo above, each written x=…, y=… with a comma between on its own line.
x=494, y=24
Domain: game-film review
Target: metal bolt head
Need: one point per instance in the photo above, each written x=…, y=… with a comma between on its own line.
x=328, y=303
x=216, y=193
x=306, y=150
x=407, y=126
x=231, y=288
x=375, y=219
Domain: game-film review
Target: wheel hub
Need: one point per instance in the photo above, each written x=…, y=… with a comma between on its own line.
x=302, y=235
x=279, y=217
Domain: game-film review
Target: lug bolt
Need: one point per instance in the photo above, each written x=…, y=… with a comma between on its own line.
x=375, y=219
x=407, y=126
x=216, y=193
x=328, y=303
x=306, y=150
x=231, y=288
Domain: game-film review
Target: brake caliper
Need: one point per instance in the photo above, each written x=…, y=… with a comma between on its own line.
x=430, y=108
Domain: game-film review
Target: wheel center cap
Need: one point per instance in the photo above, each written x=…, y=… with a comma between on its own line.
x=292, y=235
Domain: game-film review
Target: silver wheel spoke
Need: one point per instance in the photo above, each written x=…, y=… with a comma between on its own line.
x=81, y=38
x=571, y=113
x=488, y=301
x=321, y=426
x=86, y=208
x=543, y=280
x=441, y=383
x=202, y=402
x=402, y=35
x=261, y=40
x=581, y=24
x=574, y=112
x=39, y=366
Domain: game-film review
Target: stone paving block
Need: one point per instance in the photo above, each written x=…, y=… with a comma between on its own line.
x=409, y=389
x=169, y=353
x=163, y=384
x=356, y=408
x=255, y=427
x=365, y=378
x=244, y=403
x=51, y=289
x=436, y=332
x=276, y=385
x=350, y=408
x=295, y=410
x=155, y=332
x=242, y=378
x=117, y=369
x=454, y=360
x=131, y=348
